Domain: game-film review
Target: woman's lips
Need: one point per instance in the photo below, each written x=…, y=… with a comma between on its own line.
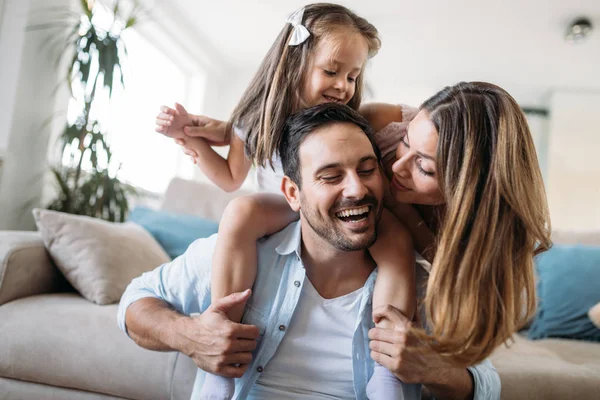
x=398, y=186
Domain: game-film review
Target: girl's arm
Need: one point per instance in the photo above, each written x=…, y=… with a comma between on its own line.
x=227, y=173
x=380, y=115
x=422, y=236
x=396, y=278
x=245, y=220
x=177, y=123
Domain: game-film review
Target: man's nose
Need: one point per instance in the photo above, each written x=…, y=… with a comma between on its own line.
x=355, y=187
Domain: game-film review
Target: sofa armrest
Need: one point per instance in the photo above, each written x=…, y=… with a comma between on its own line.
x=25, y=267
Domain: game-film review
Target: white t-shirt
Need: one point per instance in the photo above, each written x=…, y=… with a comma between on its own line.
x=268, y=179
x=314, y=359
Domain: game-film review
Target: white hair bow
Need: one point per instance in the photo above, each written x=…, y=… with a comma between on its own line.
x=300, y=33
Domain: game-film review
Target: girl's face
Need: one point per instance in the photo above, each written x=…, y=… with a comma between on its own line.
x=333, y=69
x=414, y=177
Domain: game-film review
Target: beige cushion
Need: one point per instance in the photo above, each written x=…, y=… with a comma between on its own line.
x=594, y=315
x=98, y=258
x=548, y=369
x=65, y=341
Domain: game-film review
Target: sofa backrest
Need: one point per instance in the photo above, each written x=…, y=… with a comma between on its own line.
x=206, y=200
x=591, y=238
x=198, y=198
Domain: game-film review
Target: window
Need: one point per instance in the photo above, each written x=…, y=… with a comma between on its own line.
x=148, y=159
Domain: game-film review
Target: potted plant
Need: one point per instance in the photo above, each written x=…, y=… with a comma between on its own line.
x=85, y=170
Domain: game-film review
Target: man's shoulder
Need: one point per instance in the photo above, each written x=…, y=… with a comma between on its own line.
x=203, y=247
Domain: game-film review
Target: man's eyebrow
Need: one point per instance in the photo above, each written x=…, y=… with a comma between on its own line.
x=326, y=166
x=368, y=158
x=337, y=165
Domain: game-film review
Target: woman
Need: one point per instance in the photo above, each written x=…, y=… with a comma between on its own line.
x=467, y=160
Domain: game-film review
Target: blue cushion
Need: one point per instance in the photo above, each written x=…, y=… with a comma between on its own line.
x=174, y=232
x=568, y=286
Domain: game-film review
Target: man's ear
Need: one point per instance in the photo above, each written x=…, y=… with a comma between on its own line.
x=291, y=192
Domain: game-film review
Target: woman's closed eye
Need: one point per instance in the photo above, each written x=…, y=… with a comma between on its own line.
x=423, y=171
x=404, y=142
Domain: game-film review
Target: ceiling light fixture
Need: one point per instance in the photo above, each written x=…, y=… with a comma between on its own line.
x=579, y=30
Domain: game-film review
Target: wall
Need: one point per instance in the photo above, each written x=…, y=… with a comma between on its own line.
x=28, y=79
x=573, y=166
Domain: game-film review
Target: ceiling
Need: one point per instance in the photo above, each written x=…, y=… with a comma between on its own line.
x=518, y=44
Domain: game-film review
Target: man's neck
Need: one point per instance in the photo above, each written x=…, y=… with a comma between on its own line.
x=334, y=272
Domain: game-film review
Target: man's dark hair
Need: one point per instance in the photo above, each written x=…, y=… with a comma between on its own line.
x=305, y=122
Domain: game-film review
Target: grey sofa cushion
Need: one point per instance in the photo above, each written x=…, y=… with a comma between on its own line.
x=65, y=341
x=13, y=389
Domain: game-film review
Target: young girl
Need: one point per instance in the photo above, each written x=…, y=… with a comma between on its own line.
x=318, y=57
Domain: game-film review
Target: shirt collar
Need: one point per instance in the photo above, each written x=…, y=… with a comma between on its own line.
x=291, y=240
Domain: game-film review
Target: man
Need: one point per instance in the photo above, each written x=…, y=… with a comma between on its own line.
x=311, y=304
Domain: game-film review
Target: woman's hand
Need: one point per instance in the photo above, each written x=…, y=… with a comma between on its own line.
x=177, y=123
x=412, y=362
x=398, y=350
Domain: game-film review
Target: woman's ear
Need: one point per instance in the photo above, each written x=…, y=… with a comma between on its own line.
x=291, y=192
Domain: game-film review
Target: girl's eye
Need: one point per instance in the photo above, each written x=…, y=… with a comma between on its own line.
x=330, y=73
x=422, y=171
x=350, y=79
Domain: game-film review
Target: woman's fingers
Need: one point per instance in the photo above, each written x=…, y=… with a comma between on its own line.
x=392, y=314
x=389, y=349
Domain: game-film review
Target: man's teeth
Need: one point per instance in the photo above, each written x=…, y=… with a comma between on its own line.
x=354, y=211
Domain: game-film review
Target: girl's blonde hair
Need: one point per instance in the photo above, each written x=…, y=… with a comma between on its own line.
x=481, y=289
x=273, y=94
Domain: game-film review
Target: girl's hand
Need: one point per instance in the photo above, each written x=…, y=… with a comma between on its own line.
x=171, y=122
x=188, y=146
x=178, y=124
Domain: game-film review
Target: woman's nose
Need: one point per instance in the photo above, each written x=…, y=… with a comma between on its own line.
x=400, y=167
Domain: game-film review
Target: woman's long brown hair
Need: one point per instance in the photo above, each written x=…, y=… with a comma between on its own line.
x=482, y=287
x=273, y=94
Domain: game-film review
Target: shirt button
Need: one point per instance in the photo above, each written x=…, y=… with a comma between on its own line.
x=259, y=369
x=297, y=283
x=282, y=327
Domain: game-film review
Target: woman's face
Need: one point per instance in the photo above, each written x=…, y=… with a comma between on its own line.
x=414, y=178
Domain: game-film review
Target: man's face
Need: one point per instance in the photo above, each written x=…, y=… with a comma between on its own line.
x=342, y=187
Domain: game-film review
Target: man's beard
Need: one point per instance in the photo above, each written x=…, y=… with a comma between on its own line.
x=326, y=227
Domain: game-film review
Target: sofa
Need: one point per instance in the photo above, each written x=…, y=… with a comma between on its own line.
x=54, y=344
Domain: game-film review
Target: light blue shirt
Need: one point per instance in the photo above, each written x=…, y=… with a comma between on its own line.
x=185, y=284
